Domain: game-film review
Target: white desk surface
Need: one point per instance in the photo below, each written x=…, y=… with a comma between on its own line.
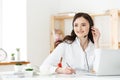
x=11, y=76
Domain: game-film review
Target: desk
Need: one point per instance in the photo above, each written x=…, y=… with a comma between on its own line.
x=61, y=77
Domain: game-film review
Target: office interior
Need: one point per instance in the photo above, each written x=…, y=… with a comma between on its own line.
x=32, y=21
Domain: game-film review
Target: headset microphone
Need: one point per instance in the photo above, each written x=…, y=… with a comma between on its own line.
x=85, y=36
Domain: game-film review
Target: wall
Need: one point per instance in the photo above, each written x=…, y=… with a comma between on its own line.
x=38, y=24
x=14, y=27
x=88, y=5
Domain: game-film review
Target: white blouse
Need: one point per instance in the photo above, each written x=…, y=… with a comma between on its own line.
x=71, y=54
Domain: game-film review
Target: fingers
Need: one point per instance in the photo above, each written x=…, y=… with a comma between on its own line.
x=69, y=70
x=66, y=70
x=95, y=31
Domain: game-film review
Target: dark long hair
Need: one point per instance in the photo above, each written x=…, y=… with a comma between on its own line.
x=70, y=38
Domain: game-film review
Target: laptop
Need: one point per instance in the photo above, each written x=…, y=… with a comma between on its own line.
x=107, y=62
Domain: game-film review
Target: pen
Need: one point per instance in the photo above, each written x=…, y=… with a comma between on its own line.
x=70, y=66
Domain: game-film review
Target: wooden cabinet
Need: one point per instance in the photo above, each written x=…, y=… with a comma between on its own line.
x=59, y=21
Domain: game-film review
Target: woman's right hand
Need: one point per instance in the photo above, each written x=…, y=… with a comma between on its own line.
x=67, y=70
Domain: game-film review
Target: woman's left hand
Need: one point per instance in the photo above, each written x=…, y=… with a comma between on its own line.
x=96, y=36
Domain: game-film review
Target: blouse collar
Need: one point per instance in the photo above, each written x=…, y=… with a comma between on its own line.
x=89, y=43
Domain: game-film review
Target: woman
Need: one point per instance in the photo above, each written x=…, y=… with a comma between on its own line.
x=77, y=49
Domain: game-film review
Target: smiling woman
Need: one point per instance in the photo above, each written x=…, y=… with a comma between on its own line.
x=110, y=39
x=13, y=29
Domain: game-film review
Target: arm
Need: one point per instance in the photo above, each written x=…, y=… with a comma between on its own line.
x=50, y=63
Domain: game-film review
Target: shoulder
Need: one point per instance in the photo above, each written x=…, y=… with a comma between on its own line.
x=63, y=44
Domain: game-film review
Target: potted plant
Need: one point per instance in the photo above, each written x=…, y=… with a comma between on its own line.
x=29, y=72
x=18, y=67
x=29, y=69
x=13, y=56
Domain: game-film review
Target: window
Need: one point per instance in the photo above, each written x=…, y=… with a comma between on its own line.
x=13, y=27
